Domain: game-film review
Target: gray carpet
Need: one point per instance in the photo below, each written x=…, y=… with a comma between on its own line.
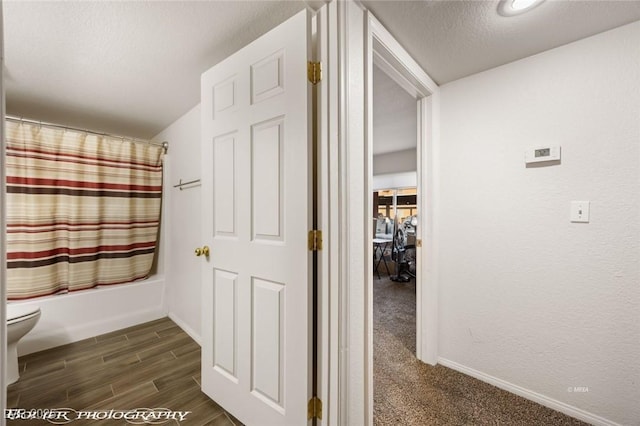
x=409, y=392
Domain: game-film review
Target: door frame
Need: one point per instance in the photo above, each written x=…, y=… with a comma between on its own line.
x=3, y=235
x=344, y=133
x=384, y=51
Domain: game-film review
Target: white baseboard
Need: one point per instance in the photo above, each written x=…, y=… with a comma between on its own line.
x=195, y=336
x=554, y=404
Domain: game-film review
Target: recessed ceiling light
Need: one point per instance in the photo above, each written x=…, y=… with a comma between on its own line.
x=516, y=7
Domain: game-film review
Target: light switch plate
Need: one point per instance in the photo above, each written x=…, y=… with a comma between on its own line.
x=580, y=211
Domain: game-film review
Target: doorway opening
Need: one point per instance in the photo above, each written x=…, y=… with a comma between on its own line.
x=395, y=230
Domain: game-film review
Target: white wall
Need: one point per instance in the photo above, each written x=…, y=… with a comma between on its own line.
x=183, y=216
x=394, y=162
x=395, y=180
x=526, y=297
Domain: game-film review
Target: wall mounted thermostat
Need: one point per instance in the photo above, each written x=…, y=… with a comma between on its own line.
x=541, y=154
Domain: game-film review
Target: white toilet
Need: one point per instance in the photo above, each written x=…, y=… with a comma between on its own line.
x=20, y=320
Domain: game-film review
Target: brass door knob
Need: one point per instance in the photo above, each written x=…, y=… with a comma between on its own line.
x=204, y=250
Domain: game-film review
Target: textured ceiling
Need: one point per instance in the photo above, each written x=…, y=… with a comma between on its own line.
x=134, y=67
x=454, y=39
x=129, y=67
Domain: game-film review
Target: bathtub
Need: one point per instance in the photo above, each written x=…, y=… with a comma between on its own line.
x=75, y=316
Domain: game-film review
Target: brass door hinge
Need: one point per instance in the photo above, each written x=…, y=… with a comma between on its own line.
x=314, y=408
x=314, y=72
x=315, y=240
x=418, y=242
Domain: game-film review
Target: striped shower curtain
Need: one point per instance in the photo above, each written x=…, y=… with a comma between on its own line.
x=82, y=210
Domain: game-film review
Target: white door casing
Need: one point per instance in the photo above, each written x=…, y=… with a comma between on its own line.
x=3, y=259
x=385, y=51
x=256, y=200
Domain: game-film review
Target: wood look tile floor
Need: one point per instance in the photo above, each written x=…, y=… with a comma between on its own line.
x=150, y=365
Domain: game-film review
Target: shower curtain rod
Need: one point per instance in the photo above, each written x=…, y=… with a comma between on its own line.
x=164, y=144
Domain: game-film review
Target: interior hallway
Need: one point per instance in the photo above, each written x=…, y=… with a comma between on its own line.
x=409, y=392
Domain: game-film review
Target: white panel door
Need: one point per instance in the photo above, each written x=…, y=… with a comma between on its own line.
x=256, y=216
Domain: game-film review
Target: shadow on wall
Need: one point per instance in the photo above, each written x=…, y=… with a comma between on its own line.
x=545, y=164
